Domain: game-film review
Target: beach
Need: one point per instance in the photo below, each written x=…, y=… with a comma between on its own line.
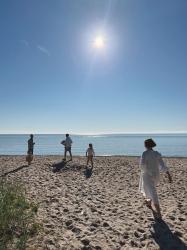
x=78, y=209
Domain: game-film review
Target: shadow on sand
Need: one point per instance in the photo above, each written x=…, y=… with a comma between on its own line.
x=14, y=170
x=165, y=238
x=88, y=172
x=58, y=166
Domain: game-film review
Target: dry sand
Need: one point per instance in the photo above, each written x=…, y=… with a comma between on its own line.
x=104, y=210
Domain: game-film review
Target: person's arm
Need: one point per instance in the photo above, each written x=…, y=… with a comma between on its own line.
x=142, y=161
x=164, y=168
x=93, y=153
x=86, y=153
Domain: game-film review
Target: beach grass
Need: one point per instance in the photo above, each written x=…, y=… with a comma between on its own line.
x=17, y=216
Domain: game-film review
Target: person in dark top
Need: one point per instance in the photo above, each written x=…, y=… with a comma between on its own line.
x=30, y=145
x=29, y=157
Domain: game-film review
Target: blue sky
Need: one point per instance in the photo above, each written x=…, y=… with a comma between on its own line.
x=53, y=80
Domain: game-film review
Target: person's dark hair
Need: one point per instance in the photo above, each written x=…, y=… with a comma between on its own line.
x=90, y=145
x=149, y=143
x=67, y=135
x=31, y=135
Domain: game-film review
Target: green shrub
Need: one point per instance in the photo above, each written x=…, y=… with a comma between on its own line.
x=16, y=216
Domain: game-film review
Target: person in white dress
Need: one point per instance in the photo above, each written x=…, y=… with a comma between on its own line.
x=151, y=164
x=90, y=154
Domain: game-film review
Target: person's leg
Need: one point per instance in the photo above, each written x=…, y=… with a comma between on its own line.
x=87, y=161
x=157, y=207
x=155, y=201
x=91, y=161
x=70, y=154
x=30, y=157
x=65, y=151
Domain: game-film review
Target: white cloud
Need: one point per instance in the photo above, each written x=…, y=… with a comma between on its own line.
x=38, y=46
x=43, y=50
x=25, y=42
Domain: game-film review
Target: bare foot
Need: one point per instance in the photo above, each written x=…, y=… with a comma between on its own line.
x=148, y=204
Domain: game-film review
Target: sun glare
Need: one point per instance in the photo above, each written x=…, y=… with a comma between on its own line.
x=99, y=42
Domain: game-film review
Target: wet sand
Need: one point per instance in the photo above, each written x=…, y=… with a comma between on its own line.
x=103, y=209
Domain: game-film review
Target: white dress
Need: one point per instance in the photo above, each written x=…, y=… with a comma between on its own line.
x=151, y=163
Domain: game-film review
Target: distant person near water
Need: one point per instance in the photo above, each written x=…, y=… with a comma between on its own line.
x=29, y=157
x=151, y=164
x=67, y=146
x=90, y=154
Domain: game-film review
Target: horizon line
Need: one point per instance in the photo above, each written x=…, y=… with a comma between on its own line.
x=100, y=133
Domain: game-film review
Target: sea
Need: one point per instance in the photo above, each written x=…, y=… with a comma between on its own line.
x=174, y=145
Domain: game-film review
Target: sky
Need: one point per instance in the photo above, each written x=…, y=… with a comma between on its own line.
x=53, y=79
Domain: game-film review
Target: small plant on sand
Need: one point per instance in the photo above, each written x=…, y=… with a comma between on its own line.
x=16, y=216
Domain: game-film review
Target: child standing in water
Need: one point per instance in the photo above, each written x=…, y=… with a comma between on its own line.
x=151, y=164
x=90, y=154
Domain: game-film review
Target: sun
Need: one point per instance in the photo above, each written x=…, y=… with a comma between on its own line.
x=99, y=42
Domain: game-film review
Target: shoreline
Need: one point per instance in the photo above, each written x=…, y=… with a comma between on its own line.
x=82, y=156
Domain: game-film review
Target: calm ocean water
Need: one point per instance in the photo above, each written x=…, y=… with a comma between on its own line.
x=120, y=144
